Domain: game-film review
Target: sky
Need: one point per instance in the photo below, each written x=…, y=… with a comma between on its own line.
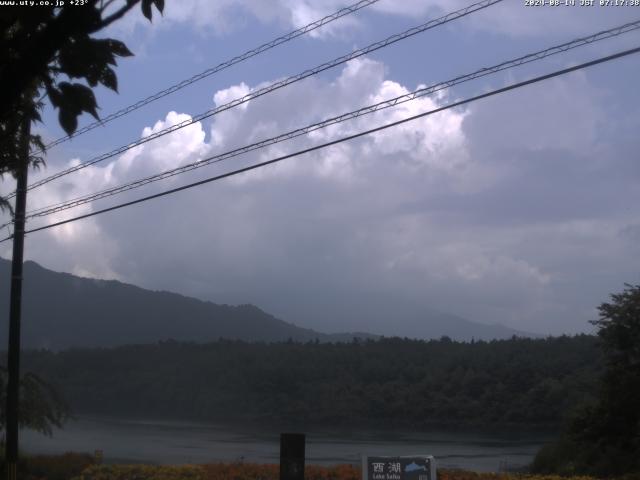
x=520, y=209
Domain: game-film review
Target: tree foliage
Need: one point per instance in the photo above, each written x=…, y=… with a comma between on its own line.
x=41, y=407
x=43, y=51
x=604, y=436
x=386, y=383
x=616, y=418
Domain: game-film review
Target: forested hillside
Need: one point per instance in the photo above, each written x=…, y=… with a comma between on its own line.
x=391, y=382
x=65, y=311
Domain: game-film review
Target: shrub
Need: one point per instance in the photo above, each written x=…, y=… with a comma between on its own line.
x=50, y=467
x=141, y=472
x=254, y=471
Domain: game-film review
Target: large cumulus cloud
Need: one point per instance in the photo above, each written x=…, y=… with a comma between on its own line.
x=500, y=212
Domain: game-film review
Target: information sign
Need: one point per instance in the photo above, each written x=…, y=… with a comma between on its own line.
x=414, y=467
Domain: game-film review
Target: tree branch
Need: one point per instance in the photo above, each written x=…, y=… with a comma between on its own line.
x=115, y=15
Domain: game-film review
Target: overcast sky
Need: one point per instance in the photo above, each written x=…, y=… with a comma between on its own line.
x=522, y=209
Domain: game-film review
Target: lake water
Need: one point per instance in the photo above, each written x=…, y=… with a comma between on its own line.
x=167, y=442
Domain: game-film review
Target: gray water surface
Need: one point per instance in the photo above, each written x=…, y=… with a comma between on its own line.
x=173, y=442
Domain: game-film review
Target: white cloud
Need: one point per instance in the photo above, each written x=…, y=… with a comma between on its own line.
x=304, y=12
x=433, y=141
x=76, y=244
x=511, y=18
x=222, y=17
x=454, y=210
x=182, y=146
x=277, y=111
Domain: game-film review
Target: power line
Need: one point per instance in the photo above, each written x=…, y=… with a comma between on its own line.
x=525, y=59
x=275, y=86
x=218, y=68
x=343, y=139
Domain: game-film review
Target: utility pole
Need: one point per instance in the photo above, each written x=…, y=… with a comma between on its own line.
x=13, y=383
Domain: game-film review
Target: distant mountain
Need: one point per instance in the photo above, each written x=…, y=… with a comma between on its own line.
x=389, y=314
x=60, y=310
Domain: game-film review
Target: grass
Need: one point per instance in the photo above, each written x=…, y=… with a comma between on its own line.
x=75, y=466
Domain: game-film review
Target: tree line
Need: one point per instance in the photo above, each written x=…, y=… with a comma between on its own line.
x=390, y=382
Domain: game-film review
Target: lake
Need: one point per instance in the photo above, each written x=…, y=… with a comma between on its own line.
x=169, y=442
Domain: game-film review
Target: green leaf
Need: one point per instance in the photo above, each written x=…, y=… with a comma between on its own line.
x=118, y=48
x=54, y=95
x=146, y=8
x=75, y=99
x=159, y=5
x=85, y=99
x=87, y=58
x=68, y=120
x=109, y=79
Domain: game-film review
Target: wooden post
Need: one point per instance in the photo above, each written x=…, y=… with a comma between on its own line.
x=13, y=363
x=292, y=446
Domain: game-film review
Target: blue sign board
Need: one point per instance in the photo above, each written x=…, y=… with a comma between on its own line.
x=414, y=467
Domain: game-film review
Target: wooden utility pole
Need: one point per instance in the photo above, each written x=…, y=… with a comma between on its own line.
x=13, y=367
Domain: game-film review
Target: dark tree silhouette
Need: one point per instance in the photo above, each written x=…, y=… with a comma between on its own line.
x=604, y=436
x=614, y=423
x=41, y=409
x=42, y=51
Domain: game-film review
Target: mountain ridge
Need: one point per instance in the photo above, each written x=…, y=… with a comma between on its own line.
x=62, y=310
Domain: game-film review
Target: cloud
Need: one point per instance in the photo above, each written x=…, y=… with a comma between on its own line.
x=551, y=115
x=517, y=19
x=500, y=212
x=508, y=18
x=223, y=17
x=76, y=243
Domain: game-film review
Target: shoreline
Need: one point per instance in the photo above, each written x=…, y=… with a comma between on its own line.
x=171, y=442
